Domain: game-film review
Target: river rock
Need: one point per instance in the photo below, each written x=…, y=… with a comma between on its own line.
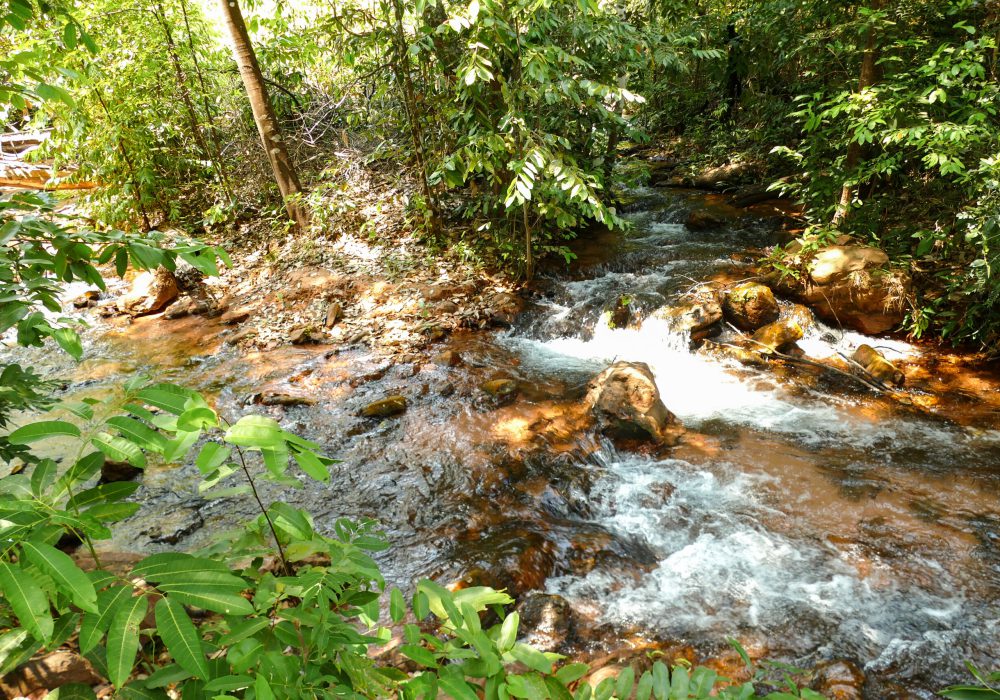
x=777, y=335
x=726, y=351
x=186, y=306
x=49, y=671
x=750, y=305
x=626, y=402
x=723, y=176
x=546, y=620
x=621, y=314
x=173, y=523
x=334, y=312
x=448, y=358
x=503, y=388
x=703, y=220
x=112, y=471
x=87, y=299
x=694, y=316
x=876, y=365
x=236, y=315
x=850, y=285
x=839, y=680
x=384, y=408
x=150, y=292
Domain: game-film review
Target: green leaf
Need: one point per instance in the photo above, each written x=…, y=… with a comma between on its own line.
x=72, y=691
x=419, y=654
x=508, y=632
x=109, y=603
x=197, y=418
x=255, y=431
x=181, y=637
x=69, y=340
x=170, y=398
x=139, y=433
x=123, y=640
x=959, y=692
x=137, y=690
x=531, y=657
x=312, y=465
x=215, y=601
x=397, y=605
x=24, y=593
x=118, y=449
x=70, y=580
x=39, y=430
x=42, y=476
x=212, y=456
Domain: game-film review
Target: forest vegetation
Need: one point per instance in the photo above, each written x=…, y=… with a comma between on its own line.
x=180, y=128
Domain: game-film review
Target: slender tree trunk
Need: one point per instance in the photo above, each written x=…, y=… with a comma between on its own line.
x=409, y=98
x=869, y=76
x=263, y=112
x=207, y=105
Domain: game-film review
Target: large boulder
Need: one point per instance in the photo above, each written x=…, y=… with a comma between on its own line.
x=851, y=285
x=750, y=305
x=698, y=314
x=150, y=292
x=626, y=402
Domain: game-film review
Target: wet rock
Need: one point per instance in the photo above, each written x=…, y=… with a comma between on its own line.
x=694, y=316
x=448, y=358
x=500, y=389
x=703, y=220
x=726, y=351
x=776, y=336
x=334, y=313
x=47, y=672
x=444, y=389
x=626, y=402
x=236, y=315
x=150, y=292
x=172, y=524
x=750, y=305
x=112, y=471
x=839, y=680
x=186, y=306
x=283, y=399
x=87, y=299
x=546, y=620
x=384, y=408
x=621, y=314
x=876, y=365
x=241, y=335
x=505, y=308
x=801, y=315
x=850, y=285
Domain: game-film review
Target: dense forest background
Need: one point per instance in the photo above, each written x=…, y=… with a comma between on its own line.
x=504, y=129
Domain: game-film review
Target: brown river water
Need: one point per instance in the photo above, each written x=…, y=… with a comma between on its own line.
x=807, y=518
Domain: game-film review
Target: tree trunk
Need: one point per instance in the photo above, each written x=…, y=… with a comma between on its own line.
x=869, y=76
x=263, y=112
x=402, y=63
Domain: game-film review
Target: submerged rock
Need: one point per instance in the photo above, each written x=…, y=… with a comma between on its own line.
x=750, y=305
x=626, y=402
x=503, y=388
x=876, y=365
x=384, y=408
x=704, y=220
x=546, y=620
x=150, y=292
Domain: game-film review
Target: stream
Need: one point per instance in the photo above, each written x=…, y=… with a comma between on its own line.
x=799, y=515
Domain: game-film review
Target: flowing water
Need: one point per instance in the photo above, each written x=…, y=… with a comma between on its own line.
x=798, y=510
